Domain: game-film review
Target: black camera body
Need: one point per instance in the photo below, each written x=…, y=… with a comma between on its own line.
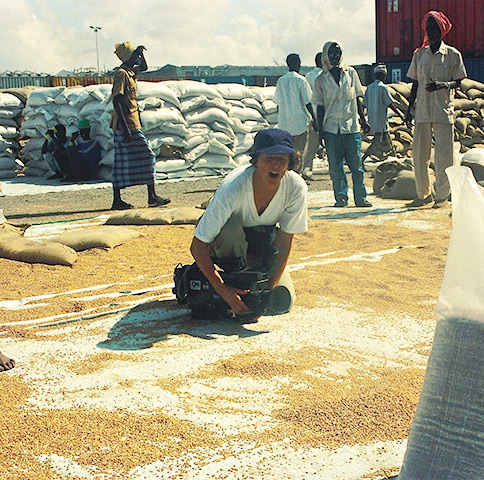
x=194, y=290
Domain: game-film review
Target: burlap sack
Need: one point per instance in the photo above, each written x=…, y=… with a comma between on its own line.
x=464, y=104
x=468, y=84
x=101, y=237
x=461, y=124
x=474, y=93
x=386, y=170
x=177, y=216
x=402, y=88
x=474, y=159
x=16, y=247
x=402, y=187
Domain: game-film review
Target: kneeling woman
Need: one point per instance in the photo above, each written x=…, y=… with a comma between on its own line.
x=252, y=218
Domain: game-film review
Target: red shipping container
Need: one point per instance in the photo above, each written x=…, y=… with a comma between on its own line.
x=399, y=31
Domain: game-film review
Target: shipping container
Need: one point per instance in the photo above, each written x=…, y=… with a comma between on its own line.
x=83, y=81
x=399, y=31
x=20, y=81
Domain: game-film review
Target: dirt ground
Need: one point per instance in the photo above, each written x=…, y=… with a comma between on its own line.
x=114, y=380
x=86, y=203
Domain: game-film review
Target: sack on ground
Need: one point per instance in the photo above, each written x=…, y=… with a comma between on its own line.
x=100, y=237
x=446, y=440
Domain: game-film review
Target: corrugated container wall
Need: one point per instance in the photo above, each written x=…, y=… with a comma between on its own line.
x=399, y=31
x=14, y=81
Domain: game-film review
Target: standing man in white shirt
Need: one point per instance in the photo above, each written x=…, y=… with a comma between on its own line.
x=313, y=144
x=437, y=70
x=338, y=93
x=293, y=96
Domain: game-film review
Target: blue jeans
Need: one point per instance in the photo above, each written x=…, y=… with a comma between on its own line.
x=341, y=147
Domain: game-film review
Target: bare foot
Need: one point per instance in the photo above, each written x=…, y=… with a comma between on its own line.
x=6, y=363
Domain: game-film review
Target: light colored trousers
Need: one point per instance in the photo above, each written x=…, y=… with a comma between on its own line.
x=444, y=157
x=312, y=147
x=299, y=142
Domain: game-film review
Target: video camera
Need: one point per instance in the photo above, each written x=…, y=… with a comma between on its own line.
x=193, y=289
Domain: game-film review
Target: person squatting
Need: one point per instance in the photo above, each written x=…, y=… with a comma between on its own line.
x=247, y=231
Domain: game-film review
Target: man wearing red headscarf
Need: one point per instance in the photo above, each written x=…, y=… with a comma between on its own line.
x=437, y=70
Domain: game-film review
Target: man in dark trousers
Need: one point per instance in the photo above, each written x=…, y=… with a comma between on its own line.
x=338, y=93
x=134, y=161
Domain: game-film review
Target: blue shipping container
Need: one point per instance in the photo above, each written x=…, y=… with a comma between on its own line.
x=8, y=81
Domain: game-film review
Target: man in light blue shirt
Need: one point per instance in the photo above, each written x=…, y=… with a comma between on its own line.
x=377, y=100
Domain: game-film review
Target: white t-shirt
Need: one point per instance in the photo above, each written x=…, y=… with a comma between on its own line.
x=292, y=95
x=235, y=196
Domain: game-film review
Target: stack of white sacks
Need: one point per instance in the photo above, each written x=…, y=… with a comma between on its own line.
x=10, y=114
x=194, y=129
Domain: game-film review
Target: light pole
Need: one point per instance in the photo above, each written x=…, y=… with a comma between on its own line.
x=96, y=29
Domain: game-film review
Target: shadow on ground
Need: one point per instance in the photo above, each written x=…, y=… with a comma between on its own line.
x=157, y=321
x=357, y=213
x=64, y=214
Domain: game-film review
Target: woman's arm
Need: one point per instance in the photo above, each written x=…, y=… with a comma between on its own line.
x=231, y=295
x=282, y=243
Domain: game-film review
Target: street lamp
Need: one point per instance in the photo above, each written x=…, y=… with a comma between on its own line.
x=96, y=29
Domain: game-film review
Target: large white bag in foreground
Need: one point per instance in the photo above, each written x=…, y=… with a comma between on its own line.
x=446, y=440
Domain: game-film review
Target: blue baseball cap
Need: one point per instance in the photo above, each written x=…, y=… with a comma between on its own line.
x=273, y=141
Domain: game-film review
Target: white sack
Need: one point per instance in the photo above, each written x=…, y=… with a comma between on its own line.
x=245, y=114
x=166, y=166
x=7, y=100
x=151, y=119
x=209, y=160
x=190, y=88
x=43, y=96
x=209, y=116
x=234, y=91
x=157, y=89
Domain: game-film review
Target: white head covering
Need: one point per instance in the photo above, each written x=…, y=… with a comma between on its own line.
x=380, y=69
x=326, y=63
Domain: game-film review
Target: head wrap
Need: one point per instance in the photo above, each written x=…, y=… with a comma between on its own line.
x=380, y=69
x=442, y=21
x=326, y=63
x=84, y=123
x=124, y=50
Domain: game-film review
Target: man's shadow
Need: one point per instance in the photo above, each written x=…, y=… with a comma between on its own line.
x=157, y=321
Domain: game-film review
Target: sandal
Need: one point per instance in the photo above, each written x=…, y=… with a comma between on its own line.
x=158, y=202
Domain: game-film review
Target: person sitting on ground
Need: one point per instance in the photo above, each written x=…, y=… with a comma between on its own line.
x=377, y=99
x=239, y=226
x=54, y=150
x=84, y=153
x=134, y=161
x=6, y=363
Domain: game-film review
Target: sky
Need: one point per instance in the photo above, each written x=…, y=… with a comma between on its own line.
x=53, y=35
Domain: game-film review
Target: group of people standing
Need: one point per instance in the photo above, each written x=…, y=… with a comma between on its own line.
x=327, y=108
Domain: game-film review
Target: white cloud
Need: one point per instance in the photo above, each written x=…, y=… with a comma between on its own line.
x=50, y=35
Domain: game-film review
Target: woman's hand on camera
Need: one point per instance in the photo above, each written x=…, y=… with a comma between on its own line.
x=233, y=296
